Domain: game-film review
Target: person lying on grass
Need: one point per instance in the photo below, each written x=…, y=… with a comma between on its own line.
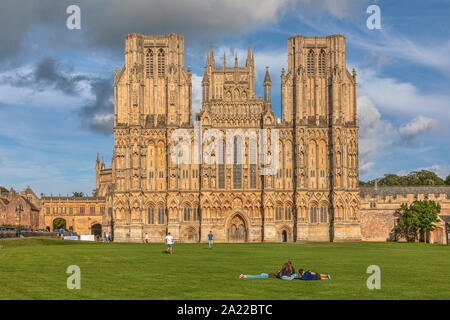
x=286, y=271
x=309, y=275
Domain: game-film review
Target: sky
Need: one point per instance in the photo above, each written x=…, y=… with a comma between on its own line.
x=56, y=84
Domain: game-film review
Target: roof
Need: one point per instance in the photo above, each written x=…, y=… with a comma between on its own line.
x=396, y=190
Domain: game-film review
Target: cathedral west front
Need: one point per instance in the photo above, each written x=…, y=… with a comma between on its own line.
x=170, y=174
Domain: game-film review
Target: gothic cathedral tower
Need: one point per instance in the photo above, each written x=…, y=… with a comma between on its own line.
x=152, y=94
x=319, y=103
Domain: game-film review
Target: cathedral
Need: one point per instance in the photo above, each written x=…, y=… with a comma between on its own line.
x=310, y=193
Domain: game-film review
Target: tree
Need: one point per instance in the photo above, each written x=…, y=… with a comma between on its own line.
x=407, y=223
x=419, y=217
x=447, y=180
x=427, y=212
x=415, y=178
x=3, y=189
x=77, y=194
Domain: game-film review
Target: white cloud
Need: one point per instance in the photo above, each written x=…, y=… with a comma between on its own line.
x=375, y=134
x=417, y=126
x=433, y=55
x=378, y=136
x=337, y=8
x=399, y=98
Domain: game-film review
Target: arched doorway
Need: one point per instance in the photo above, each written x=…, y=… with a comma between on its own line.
x=284, y=236
x=96, y=230
x=438, y=236
x=237, y=232
x=59, y=223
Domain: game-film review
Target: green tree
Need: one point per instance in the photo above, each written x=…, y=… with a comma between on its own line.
x=3, y=189
x=77, y=194
x=407, y=223
x=447, y=180
x=427, y=212
x=419, y=217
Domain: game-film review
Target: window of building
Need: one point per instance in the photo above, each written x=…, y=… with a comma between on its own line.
x=161, y=63
x=310, y=63
x=252, y=164
x=149, y=63
x=322, y=63
x=151, y=215
x=313, y=215
x=237, y=166
x=160, y=215
x=323, y=215
x=82, y=210
x=71, y=211
x=187, y=214
x=287, y=213
x=92, y=210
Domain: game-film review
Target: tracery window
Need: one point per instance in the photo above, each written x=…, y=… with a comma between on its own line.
x=237, y=166
x=322, y=63
x=151, y=215
x=161, y=63
x=149, y=63
x=310, y=63
x=313, y=215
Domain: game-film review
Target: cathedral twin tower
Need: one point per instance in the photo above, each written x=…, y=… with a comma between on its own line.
x=312, y=195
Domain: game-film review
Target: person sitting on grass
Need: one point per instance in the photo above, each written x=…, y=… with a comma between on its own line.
x=287, y=270
x=309, y=275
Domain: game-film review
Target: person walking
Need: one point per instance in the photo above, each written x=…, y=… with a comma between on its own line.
x=169, y=241
x=146, y=238
x=210, y=239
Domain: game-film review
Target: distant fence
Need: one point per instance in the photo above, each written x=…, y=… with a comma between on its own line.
x=13, y=234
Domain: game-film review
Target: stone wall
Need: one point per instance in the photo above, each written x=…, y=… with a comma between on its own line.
x=378, y=206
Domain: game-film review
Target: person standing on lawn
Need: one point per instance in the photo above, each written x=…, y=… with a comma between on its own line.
x=210, y=239
x=169, y=241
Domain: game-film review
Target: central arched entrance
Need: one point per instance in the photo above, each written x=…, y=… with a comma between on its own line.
x=237, y=232
x=59, y=223
x=96, y=230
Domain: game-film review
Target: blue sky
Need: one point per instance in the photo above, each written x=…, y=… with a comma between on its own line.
x=56, y=84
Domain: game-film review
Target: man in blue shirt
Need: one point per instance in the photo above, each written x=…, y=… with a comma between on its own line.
x=210, y=239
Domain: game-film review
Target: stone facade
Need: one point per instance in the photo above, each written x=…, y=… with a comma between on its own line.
x=312, y=196
x=26, y=202
x=84, y=215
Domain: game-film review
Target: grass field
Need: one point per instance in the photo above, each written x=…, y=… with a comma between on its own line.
x=36, y=269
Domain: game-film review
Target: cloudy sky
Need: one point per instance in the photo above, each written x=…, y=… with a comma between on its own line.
x=56, y=84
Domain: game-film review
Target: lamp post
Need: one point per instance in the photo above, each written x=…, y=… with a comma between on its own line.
x=19, y=210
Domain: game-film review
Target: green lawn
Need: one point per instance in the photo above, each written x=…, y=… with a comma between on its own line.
x=36, y=269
